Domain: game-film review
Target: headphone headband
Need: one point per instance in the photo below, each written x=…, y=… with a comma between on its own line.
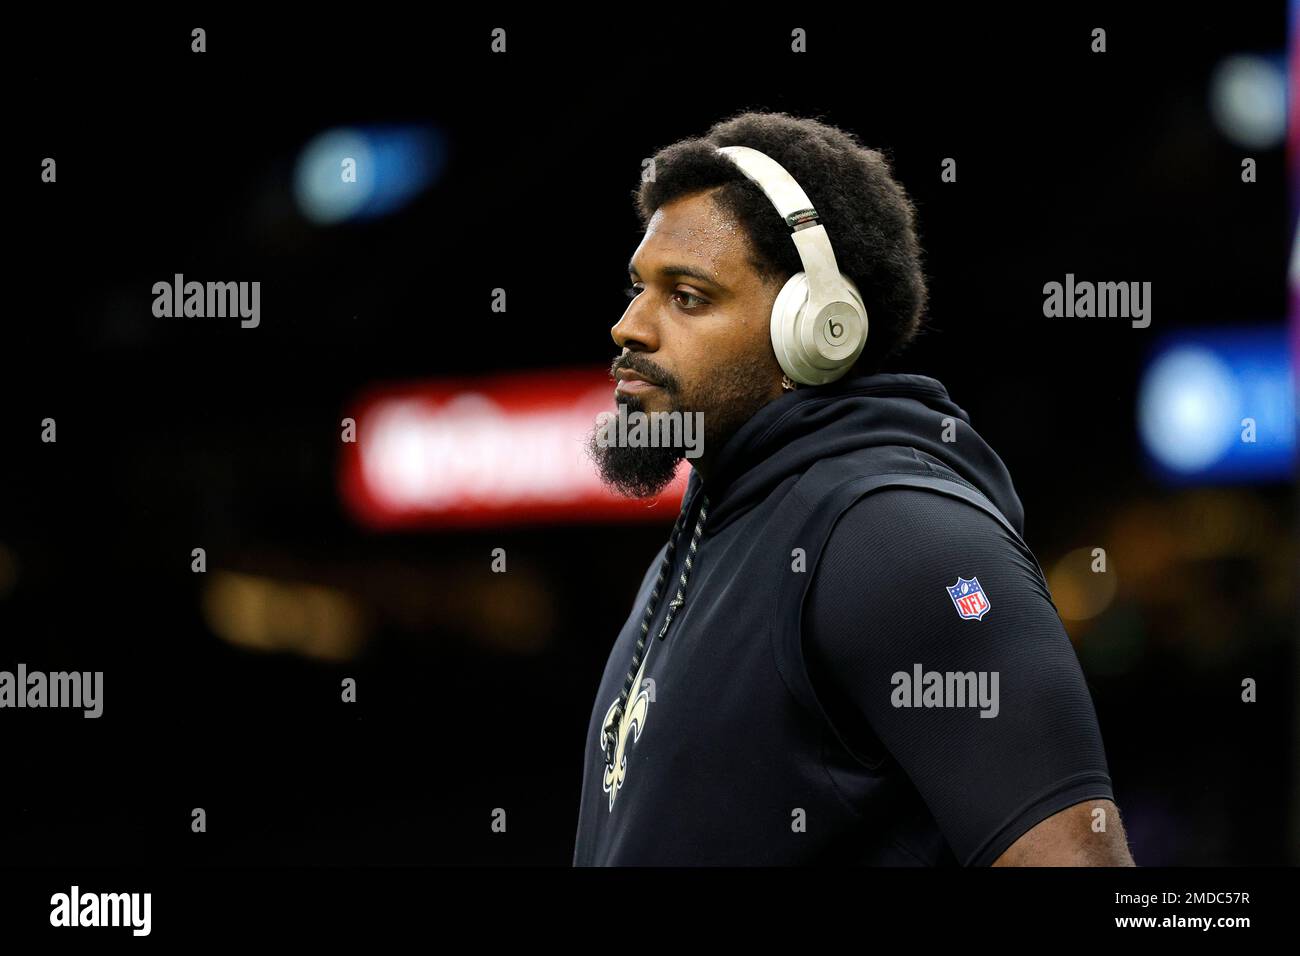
x=778, y=185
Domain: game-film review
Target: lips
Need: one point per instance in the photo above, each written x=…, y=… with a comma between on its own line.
x=633, y=386
x=631, y=383
x=625, y=375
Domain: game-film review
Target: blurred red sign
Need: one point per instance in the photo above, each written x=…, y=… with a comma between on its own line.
x=508, y=449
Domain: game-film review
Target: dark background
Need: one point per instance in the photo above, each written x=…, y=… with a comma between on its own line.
x=475, y=689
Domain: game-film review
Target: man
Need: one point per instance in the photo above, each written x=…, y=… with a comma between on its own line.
x=845, y=652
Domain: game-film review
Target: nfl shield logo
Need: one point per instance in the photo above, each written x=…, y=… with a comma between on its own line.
x=969, y=599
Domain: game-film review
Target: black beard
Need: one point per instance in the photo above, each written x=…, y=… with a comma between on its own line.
x=734, y=392
x=634, y=471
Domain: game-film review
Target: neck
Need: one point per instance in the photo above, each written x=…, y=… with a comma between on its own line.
x=707, y=463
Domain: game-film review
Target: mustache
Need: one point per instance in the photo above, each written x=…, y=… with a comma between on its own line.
x=633, y=362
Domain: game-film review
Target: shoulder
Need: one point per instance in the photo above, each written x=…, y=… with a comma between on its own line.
x=919, y=562
x=898, y=530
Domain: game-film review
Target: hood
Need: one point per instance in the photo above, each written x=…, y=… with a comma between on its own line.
x=790, y=434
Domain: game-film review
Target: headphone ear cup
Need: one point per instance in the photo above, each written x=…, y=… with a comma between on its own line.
x=788, y=333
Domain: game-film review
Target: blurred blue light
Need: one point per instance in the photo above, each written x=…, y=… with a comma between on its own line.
x=393, y=164
x=1195, y=393
x=1248, y=100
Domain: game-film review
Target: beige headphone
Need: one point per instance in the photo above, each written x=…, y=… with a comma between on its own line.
x=819, y=324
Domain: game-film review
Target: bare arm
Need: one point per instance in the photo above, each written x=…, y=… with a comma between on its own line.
x=1067, y=838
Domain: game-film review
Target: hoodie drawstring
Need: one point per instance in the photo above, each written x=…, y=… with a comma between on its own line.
x=609, y=738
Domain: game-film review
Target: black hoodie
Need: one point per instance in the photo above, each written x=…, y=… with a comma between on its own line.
x=864, y=534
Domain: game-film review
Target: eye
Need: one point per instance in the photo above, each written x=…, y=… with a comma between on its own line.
x=694, y=301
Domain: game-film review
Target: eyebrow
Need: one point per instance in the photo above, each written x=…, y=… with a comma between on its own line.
x=681, y=270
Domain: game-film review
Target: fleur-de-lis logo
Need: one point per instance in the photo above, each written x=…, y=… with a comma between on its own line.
x=630, y=726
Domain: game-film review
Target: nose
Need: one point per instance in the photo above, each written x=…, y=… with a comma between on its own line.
x=638, y=329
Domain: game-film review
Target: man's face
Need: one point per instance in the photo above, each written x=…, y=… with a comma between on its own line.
x=696, y=335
